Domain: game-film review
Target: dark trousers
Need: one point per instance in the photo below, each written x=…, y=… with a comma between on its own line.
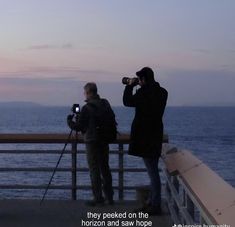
x=153, y=172
x=100, y=174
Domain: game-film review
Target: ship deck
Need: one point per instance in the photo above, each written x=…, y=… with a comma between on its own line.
x=193, y=193
x=64, y=213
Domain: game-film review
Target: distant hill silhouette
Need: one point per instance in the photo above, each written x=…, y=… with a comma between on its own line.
x=15, y=104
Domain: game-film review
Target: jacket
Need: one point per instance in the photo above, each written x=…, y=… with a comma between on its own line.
x=86, y=119
x=147, y=127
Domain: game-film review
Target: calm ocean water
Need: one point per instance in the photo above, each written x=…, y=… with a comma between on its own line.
x=208, y=131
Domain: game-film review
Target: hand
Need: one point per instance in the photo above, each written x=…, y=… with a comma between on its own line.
x=132, y=82
x=70, y=117
x=77, y=116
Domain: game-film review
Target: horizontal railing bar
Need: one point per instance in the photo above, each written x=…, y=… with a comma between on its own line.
x=201, y=184
x=47, y=169
x=51, y=152
x=33, y=152
x=50, y=138
x=56, y=138
x=41, y=169
x=63, y=187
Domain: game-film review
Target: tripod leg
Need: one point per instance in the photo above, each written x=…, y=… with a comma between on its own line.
x=57, y=164
x=74, y=169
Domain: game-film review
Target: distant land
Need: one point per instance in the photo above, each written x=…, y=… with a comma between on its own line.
x=19, y=104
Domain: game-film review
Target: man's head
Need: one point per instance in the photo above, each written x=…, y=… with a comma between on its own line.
x=90, y=90
x=145, y=76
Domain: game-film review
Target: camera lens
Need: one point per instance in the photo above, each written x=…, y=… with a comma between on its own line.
x=125, y=80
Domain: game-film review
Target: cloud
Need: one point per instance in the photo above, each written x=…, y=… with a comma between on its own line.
x=64, y=73
x=52, y=91
x=199, y=87
x=185, y=87
x=202, y=51
x=226, y=66
x=216, y=51
x=75, y=69
x=232, y=51
x=51, y=47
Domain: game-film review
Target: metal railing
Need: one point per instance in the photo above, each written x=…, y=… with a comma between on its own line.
x=195, y=194
x=74, y=169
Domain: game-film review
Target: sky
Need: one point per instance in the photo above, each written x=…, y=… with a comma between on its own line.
x=49, y=49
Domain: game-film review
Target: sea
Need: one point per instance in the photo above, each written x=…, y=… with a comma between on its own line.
x=208, y=132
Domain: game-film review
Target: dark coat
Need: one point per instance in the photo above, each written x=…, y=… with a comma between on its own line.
x=86, y=121
x=147, y=127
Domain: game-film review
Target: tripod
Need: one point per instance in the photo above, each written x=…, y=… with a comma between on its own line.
x=57, y=164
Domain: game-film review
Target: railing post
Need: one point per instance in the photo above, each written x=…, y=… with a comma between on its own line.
x=190, y=206
x=184, y=202
x=74, y=170
x=168, y=190
x=120, y=172
x=175, y=183
x=202, y=220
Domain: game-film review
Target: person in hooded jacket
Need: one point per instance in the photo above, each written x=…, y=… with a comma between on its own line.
x=97, y=150
x=146, y=136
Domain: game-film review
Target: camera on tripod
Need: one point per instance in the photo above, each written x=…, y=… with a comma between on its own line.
x=76, y=113
x=126, y=80
x=76, y=109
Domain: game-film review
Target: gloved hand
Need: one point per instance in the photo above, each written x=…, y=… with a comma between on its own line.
x=70, y=117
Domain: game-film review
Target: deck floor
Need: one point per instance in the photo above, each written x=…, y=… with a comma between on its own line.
x=62, y=213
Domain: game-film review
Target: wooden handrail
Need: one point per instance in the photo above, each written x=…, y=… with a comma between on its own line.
x=202, y=187
x=60, y=138
x=214, y=197
x=50, y=138
x=55, y=138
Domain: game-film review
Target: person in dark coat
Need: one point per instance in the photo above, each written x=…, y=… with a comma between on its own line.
x=97, y=151
x=147, y=129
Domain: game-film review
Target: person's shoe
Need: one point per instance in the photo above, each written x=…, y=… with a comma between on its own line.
x=109, y=199
x=153, y=210
x=93, y=203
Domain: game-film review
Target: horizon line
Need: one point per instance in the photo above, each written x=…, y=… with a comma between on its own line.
x=36, y=104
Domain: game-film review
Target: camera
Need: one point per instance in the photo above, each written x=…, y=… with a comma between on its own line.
x=76, y=108
x=126, y=80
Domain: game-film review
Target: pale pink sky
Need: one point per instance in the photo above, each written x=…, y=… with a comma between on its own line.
x=49, y=49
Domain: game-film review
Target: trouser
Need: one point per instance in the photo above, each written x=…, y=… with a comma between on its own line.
x=153, y=172
x=100, y=174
